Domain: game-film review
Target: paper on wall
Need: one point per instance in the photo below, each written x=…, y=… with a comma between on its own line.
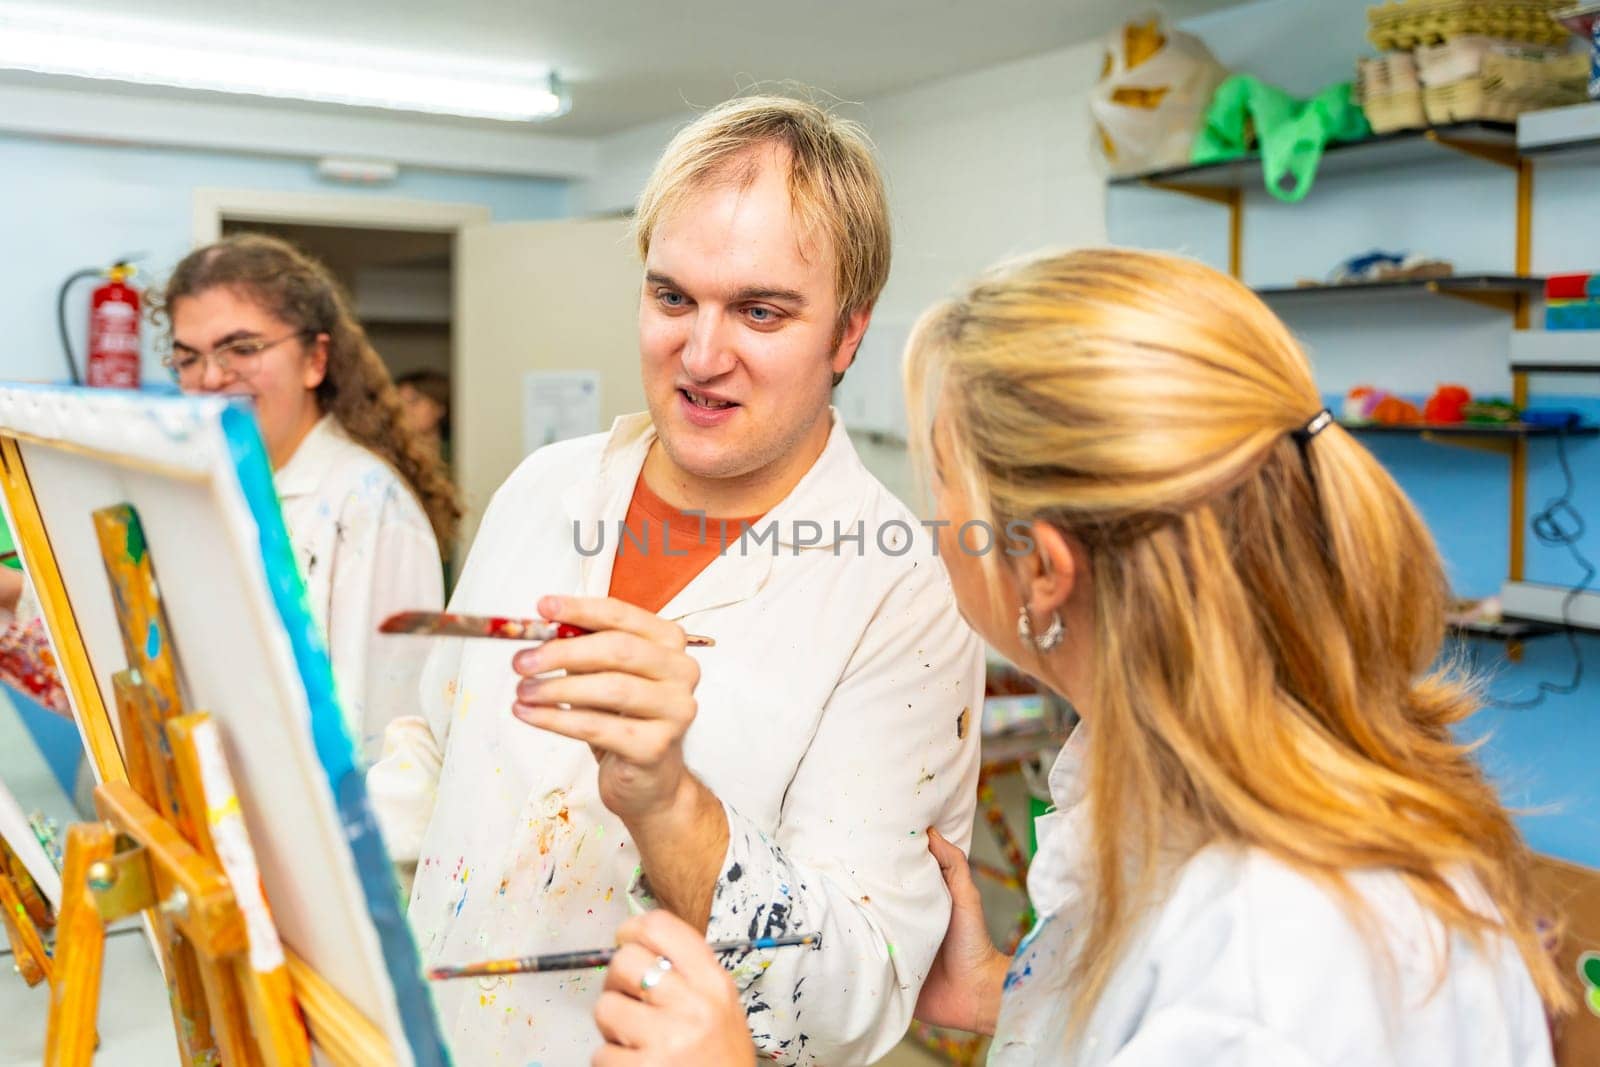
x=557, y=405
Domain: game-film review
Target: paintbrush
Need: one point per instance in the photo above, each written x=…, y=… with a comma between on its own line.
x=579, y=961
x=445, y=624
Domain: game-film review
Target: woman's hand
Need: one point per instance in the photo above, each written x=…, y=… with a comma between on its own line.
x=10, y=590
x=689, y=1013
x=628, y=692
x=963, y=987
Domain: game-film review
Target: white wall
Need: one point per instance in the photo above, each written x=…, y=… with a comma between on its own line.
x=623, y=165
x=65, y=205
x=1299, y=45
x=984, y=166
x=979, y=167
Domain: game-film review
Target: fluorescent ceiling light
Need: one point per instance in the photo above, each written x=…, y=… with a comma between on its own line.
x=148, y=53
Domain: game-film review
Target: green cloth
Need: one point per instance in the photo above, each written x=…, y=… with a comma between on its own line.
x=1291, y=133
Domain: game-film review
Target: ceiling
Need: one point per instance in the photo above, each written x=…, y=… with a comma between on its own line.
x=628, y=62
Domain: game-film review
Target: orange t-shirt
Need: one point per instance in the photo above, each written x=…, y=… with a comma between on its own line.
x=663, y=549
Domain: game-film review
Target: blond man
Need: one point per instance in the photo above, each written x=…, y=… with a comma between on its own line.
x=781, y=782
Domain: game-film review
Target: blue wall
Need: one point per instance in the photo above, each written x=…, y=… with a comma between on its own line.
x=66, y=205
x=1545, y=759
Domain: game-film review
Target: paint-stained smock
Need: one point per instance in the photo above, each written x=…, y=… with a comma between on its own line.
x=365, y=549
x=1250, y=963
x=830, y=724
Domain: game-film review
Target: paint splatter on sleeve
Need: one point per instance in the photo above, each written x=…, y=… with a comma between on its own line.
x=762, y=893
x=848, y=857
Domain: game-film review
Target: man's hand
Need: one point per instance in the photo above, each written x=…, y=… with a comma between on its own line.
x=628, y=692
x=10, y=590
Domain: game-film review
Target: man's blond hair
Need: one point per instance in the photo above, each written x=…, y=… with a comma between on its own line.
x=834, y=184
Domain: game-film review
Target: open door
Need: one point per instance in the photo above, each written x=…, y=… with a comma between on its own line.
x=536, y=296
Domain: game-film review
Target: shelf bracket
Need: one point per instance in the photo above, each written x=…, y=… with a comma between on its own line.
x=1492, y=445
x=1216, y=194
x=1517, y=509
x=1508, y=302
x=1500, y=155
x=1230, y=197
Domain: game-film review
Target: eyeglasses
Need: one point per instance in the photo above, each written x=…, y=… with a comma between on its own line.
x=241, y=357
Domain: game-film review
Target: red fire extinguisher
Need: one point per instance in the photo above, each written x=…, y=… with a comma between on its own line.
x=113, y=357
x=114, y=332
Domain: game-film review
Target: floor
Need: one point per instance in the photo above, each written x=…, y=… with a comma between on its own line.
x=136, y=1029
x=135, y=1024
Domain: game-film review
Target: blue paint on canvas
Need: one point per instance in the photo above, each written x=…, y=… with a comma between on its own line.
x=334, y=747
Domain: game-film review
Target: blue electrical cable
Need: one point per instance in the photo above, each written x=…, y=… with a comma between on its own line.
x=1559, y=525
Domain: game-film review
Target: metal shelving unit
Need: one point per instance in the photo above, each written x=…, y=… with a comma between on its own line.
x=1400, y=149
x=1468, y=429
x=1502, y=291
x=1493, y=143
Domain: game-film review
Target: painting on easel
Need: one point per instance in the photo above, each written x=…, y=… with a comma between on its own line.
x=109, y=494
x=30, y=889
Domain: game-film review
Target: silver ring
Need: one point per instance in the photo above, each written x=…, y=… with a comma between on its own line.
x=653, y=976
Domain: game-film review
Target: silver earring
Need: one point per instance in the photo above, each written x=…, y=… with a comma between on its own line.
x=1052, y=636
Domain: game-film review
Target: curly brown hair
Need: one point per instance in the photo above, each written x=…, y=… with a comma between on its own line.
x=356, y=389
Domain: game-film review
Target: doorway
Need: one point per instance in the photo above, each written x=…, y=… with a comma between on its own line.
x=400, y=283
x=524, y=298
x=395, y=258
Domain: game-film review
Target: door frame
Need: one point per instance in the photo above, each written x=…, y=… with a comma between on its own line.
x=351, y=211
x=345, y=210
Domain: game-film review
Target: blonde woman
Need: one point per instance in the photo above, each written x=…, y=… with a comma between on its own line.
x=366, y=501
x=1268, y=847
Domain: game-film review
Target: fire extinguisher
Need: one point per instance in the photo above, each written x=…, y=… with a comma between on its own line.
x=113, y=357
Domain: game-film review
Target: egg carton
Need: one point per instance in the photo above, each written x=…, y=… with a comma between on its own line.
x=1391, y=72
x=1467, y=100
x=1467, y=57
x=1389, y=92
x=1390, y=112
x=1537, y=81
x=1408, y=24
x=1508, y=86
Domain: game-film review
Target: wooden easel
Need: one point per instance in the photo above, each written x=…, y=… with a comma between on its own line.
x=156, y=851
x=25, y=914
